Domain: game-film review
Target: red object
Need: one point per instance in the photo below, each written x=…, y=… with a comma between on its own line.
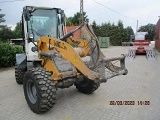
x=141, y=46
x=76, y=35
x=157, y=35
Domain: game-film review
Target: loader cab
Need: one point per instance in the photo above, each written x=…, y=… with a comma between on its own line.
x=40, y=21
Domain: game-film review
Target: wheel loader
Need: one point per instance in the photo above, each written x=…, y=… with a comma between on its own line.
x=50, y=61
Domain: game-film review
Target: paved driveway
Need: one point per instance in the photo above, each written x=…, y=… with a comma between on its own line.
x=141, y=84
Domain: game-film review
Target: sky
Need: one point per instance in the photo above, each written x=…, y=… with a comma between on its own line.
x=128, y=11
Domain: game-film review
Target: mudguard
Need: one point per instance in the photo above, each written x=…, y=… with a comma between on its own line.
x=21, y=61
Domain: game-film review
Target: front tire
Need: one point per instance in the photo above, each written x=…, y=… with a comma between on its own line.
x=19, y=74
x=87, y=86
x=39, y=90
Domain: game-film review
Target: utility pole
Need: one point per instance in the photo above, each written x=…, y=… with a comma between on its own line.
x=81, y=19
x=137, y=26
x=81, y=12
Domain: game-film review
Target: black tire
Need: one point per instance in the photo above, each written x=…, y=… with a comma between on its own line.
x=87, y=86
x=39, y=90
x=19, y=74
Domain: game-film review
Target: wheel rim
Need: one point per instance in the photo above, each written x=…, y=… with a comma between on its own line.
x=31, y=91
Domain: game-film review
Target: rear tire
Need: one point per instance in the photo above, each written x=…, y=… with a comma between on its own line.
x=19, y=74
x=39, y=90
x=87, y=86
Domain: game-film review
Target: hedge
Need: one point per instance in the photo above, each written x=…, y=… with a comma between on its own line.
x=8, y=54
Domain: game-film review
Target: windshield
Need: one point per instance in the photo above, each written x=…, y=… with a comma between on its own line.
x=43, y=23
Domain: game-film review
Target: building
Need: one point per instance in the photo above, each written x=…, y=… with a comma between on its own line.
x=157, y=35
x=76, y=35
x=79, y=33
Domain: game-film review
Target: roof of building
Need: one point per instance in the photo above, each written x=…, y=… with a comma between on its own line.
x=76, y=35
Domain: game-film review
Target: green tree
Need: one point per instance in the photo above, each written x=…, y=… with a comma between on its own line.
x=150, y=28
x=117, y=33
x=96, y=28
x=5, y=33
x=122, y=32
x=1, y=18
x=69, y=21
x=75, y=20
x=17, y=32
x=130, y=32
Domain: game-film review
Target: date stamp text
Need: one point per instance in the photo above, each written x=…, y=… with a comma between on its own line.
x=129, y=102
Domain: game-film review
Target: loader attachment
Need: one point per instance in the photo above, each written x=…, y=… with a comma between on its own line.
x=98, y=61
x=107, y=69
x=114, y=70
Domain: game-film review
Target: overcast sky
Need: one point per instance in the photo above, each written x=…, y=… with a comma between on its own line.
x=145, y=11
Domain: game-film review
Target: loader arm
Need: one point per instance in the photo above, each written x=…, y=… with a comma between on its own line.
x=94, y=69
x=86, y=51
x=81, y=46
x=68, y=53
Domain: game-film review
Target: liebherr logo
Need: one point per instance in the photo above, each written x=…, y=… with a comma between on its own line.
x=60, y=45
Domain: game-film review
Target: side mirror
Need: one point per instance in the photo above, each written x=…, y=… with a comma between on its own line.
x=63, y=18
x=26, y=15
x=27, y=12
x=30, y=37
x=61, y=13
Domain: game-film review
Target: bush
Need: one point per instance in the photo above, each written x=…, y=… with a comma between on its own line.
x=8, y=54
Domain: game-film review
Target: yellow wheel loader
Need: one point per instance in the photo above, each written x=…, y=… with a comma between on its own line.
x=50, y=62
